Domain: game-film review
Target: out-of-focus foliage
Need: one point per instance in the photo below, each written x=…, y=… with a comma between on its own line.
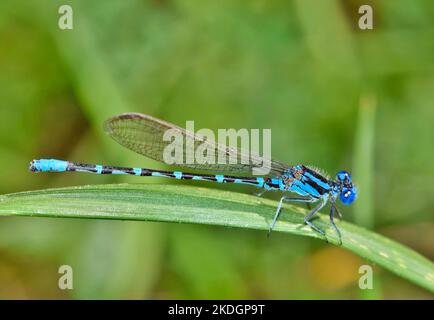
x=298, y=67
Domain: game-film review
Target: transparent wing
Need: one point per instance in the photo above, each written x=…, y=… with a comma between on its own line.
x=144, y=134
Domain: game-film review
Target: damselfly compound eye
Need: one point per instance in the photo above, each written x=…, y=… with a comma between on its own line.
x=348, y=196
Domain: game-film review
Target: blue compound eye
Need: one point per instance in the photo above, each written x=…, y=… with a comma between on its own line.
x=348, y=196
x=343, y=176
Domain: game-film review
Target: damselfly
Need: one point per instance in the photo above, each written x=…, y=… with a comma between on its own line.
x=144, y=135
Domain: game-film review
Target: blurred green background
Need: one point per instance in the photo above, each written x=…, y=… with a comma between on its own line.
x=334, y=96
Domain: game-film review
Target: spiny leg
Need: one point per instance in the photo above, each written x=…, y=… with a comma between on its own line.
x=279, y=208
x=333, y=209
x=310, y=216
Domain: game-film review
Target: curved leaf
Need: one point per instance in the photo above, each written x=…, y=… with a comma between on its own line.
x=171, y=203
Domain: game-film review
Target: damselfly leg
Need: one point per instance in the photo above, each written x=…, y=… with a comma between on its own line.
x=333, y=209
x=279, y=208
x=312, y=214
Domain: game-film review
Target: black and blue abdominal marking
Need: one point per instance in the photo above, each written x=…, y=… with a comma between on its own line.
x=53, y=165
x=144, y=134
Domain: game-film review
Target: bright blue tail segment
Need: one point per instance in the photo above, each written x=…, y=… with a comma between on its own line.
x=48, y=165
x=53, y=165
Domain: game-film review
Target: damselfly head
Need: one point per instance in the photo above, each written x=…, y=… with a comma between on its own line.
x=348, y=191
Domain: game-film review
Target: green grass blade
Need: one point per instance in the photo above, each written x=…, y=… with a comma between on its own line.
x=171, y=203
x=364, y=162
x=364, y=174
